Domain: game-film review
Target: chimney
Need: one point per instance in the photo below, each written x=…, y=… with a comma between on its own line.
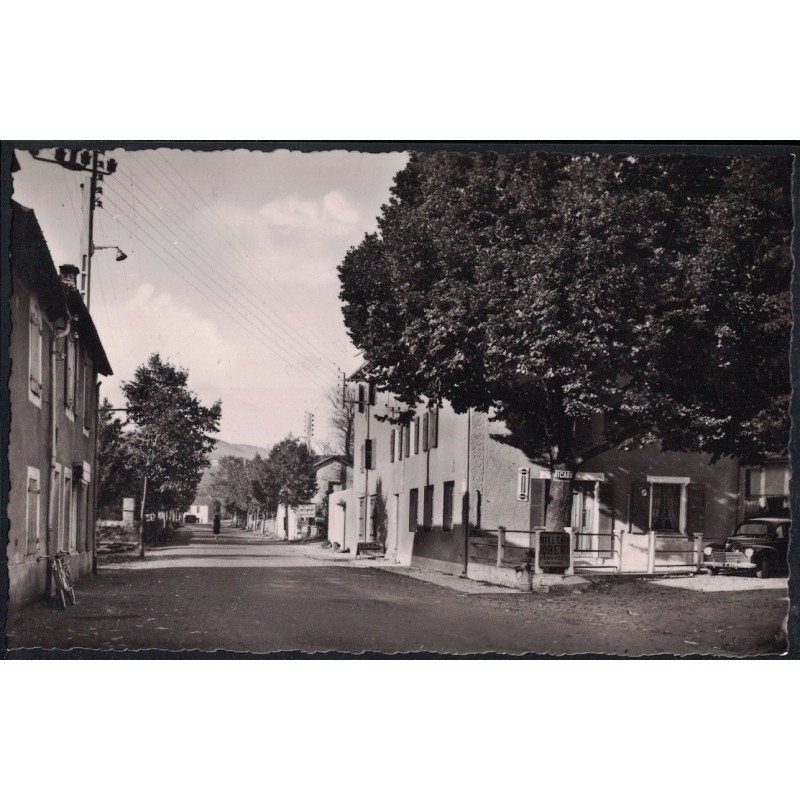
x=69, y=275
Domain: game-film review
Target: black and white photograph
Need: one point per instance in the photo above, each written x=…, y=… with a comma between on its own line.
x=398, y=399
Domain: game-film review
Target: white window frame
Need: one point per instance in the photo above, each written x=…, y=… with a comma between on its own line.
x=33, y=473
x=86, y=383
x=71, y=353
x=69, y=518
x=35, y=361
x=673, y=479
x=57, y=501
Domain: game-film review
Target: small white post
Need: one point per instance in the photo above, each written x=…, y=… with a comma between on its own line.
x=651, y=553
x=571, y=568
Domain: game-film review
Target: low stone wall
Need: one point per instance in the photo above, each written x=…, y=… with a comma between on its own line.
x=114, y=537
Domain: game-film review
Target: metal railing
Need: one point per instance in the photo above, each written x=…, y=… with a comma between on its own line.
x=590, y=552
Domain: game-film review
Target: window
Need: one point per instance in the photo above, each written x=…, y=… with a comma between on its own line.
x=369, y=454
x=408, y=440
x=56, y=501
x=360, y=515
x=425, y=430
x=32, y=511
x=666, y=514
x=433, y=428
x=400, y=437
x=413, y=510
x=87, y=395
x=35, y=355
x=392, y=439
x=69, y=517
x=372, y=393
x=70, y=370
x=416, y=435
x=360, y=398
x=372, y=530
x=427, y=510
x=447, y=506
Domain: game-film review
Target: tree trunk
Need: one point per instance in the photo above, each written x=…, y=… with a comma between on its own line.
x=142, y=519
x=559, y=499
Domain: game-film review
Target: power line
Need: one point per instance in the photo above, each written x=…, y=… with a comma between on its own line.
x=211, y=229
x=217, y=275
x=160, y=253
x=213, y=276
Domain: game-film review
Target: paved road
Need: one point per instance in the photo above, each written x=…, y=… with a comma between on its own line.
x=245, y=594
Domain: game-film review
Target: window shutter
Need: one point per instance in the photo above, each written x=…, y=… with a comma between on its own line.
x=425, y=429
x=408, y=439
x=32, y=533
x=640, y=507
x=368, y=453
x=372, y=393
x=696, y=509
x=434, y=428
x=538, y=503
x=363, y=456
x=413, y=502
x=391, y=446
x=360, y=398
x=416, y=435
x=606, y=507
x=400, y=437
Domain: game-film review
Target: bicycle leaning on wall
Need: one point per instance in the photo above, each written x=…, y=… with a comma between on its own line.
x=59, y=569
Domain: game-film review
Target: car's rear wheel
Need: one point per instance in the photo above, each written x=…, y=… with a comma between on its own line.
x=765, y=568
x=713, y=570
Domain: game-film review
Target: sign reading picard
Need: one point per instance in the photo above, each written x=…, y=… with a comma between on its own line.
x=523, y=483
x=563, y=474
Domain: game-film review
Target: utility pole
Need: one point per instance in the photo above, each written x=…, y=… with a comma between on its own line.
x=79, y=160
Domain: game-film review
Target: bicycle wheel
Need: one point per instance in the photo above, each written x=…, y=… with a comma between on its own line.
x=71, y=595
x=62, y=596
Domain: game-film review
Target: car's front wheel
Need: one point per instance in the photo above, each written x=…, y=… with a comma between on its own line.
x=765, y=568
x=713, y=570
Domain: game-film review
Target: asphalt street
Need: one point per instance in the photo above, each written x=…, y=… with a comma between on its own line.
x=245, y=594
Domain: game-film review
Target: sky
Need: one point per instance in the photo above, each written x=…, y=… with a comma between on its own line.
x=231, y=270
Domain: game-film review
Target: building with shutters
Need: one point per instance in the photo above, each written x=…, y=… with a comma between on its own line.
x=56, y=357
x=436, y=491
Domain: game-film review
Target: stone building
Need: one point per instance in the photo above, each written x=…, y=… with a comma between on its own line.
x=56, y=356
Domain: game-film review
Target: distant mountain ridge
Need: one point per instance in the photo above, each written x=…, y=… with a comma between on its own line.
x=222, y=449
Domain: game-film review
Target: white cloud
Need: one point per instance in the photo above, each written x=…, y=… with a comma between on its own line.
x=332, y=216
x=154, y=322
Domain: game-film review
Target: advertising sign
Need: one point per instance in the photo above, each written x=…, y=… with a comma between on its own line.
x=554, y=550
x=523, y=483
x=307, y=510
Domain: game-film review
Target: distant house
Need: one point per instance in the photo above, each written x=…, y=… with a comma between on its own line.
x=435, y=492
x=56, y=356
x=202, y=509
x=334, y=473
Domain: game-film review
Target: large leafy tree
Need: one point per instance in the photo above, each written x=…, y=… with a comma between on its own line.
x=293, y=477
x=170, y=443
x=115, y=475
x=552, y=289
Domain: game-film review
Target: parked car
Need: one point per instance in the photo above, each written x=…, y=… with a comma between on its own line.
x=758, y=545
x=189, y=519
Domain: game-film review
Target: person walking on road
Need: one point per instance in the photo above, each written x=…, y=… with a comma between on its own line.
x=216, y=525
